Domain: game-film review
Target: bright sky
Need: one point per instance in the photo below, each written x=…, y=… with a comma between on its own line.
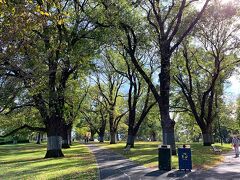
x=232, y=90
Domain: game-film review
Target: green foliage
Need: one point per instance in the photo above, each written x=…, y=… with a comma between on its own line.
x=187, y=130
x=151, y=126
x=234, y=118
x=91, y=39
x=18, y=119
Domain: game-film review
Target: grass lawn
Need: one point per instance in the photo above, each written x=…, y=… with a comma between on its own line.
x=146, y=153
x=25, y=161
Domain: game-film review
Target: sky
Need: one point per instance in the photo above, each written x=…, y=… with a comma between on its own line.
x=232, y=89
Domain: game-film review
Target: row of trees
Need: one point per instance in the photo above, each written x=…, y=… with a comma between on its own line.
x=106, y=60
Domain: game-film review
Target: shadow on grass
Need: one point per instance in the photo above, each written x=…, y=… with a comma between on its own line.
x=25, y=162
x=52, y=166
x=77, y=175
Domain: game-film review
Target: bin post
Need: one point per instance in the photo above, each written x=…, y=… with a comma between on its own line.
x=164, y=157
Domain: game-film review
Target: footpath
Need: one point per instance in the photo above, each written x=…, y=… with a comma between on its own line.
x=116, y=167
x=228, y=170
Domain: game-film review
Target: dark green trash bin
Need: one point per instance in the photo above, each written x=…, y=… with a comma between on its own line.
x=164, y=157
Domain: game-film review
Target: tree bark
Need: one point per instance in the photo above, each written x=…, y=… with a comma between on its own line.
x=102, y=128
x=130, y=140
x=153, y=136
x=113, y=137
x=101, y=135
x=38, y=138
x=101, y=138
x=54, y=147
x=54, y=138
x=207, y=136
x=166, y=122
x=70, y=135
x=65, y=136
x=111, y=124
x=93, y=132
x=131, y=131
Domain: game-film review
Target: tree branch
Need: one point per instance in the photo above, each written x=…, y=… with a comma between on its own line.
x=22, y=127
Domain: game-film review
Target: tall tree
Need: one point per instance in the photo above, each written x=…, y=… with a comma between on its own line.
x=137, y=92
x=109, y=83
x=95, y=113
x=213, y=60
x=39, y=53
x=169, y=23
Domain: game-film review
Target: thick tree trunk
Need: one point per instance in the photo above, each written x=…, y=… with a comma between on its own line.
x=207, y=136
x=130, y=140
x=113, y=137
x=131, y=134
x=101, y=138
x=166, y=122
x=38, y=138
x=169, y=138
x=102, y=128
x=168, y=130
x=54, y=138
x=54, y=147
x=65, y=137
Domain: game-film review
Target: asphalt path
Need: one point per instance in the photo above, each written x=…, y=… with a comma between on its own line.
x=114, y=166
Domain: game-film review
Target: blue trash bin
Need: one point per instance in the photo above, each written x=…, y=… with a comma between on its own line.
x=185, y=158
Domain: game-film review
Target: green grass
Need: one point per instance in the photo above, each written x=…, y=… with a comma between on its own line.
x=146, y=153
x=25, y=161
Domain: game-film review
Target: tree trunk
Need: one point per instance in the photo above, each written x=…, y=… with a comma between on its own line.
x=153, y=137
x=169, y=138
x=91, y=137
x=70, y=135
x=207, y=136
x=54, y=139
x=54, y=147
x=93, y=132
x=101, y=136
x=102, y=128
x=113, y=137
x=168, y=132
x=130, y=140
x=65, y=136
x=131, y=134
x=38, y=138
x=166, y=122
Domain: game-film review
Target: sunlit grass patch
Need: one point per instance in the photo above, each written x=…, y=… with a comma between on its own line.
x=146, y=153
x=25, y=161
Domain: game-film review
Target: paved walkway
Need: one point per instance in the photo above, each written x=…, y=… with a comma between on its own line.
x=114, y=166
x=228, y=170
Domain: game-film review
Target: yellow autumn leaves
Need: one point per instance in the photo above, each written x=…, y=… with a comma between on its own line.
x=41, y=11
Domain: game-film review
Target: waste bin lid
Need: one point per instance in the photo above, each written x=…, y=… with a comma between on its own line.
x=164, y=146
